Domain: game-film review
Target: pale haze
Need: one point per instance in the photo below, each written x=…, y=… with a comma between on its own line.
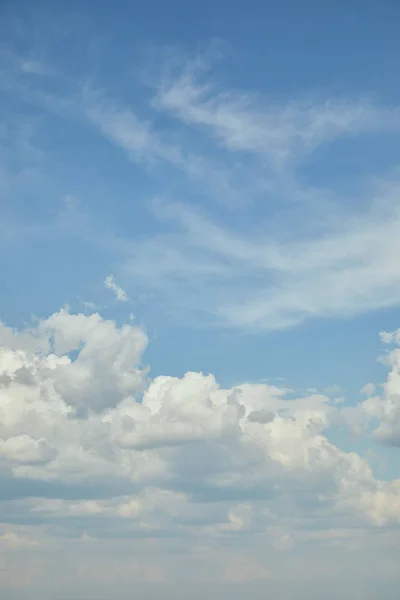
x=200, y=300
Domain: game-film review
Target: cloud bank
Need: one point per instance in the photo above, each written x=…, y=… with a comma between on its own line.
x=168, y=470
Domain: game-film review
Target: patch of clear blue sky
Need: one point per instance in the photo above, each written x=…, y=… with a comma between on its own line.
x=284, y=49
x=297, y=45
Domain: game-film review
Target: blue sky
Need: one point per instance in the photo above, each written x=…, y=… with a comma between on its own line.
x=212, y=189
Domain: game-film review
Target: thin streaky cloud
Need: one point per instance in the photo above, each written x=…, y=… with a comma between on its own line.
x=245, y=122
x=257, y=280
x=251, y=282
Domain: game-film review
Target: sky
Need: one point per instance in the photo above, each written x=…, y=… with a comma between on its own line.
x=200, y=300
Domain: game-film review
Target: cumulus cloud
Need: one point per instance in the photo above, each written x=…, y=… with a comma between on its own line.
x=182, y=455
x=384, y=409
x=368, y=389
x=379, y=413
x=92, y=449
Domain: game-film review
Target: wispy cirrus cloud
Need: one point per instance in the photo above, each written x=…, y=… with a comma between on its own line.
x=282, y=132
x=260, y=282
x=304, y=254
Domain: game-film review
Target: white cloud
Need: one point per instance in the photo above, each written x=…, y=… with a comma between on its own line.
x=123, y=127
x=306, y=255
x=96, y=450
x=245, y=122
x=144, y=144
x=120, y=294
x=381, y=412
x=386, y=408
x=256, y=281
x=76, y=420
x=368, y=389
